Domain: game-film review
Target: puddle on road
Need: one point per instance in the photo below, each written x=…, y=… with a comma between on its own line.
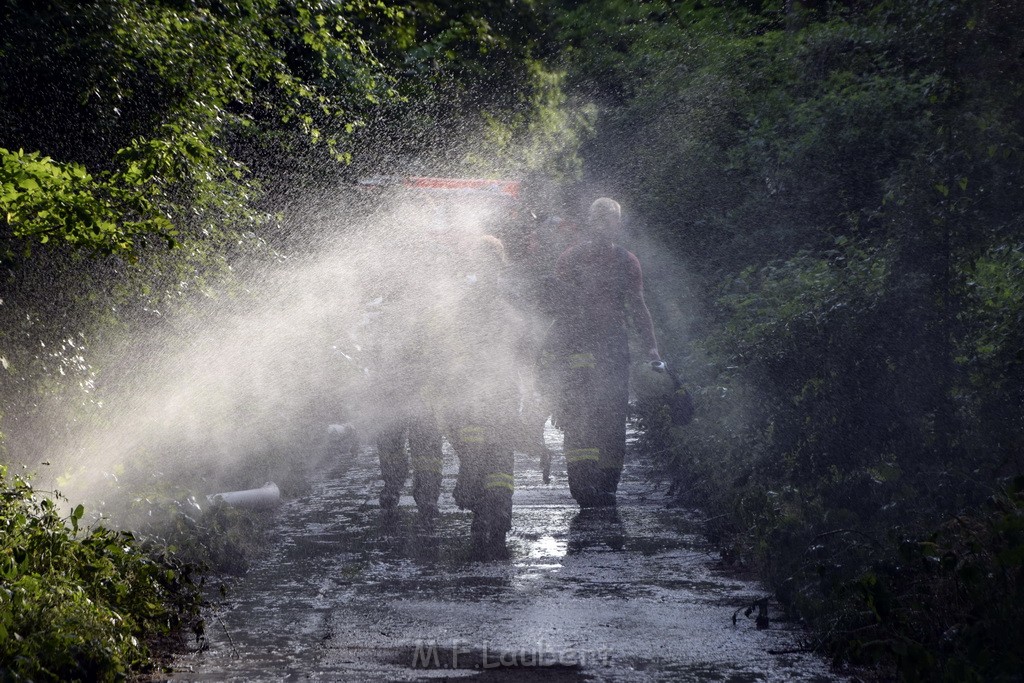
x=545, y=547
x=348, y=595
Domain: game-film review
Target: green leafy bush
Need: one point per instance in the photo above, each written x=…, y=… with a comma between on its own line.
x=81, y=604
x=46, y=200
x=842, y=181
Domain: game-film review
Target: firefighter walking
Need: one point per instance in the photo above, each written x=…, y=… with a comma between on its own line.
x=601, y=297
x=480, y=392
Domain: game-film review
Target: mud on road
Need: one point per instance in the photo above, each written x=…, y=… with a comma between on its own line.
x=345, y=594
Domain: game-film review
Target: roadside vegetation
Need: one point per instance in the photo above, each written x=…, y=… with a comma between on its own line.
x=843, y=182
x=83, y=603
x=146, y=150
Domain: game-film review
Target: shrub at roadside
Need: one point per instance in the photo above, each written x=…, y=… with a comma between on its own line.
x=81, y=604
x=821, y=466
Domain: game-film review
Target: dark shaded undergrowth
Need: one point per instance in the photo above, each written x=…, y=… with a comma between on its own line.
x=883, y=576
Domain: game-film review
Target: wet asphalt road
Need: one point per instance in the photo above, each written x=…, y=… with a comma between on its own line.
x=344, y=595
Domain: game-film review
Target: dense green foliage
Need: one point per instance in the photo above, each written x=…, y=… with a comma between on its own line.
x=147, y=146
x=130, y=192
x=146, y=152
x=844, y=182
x=81, y=604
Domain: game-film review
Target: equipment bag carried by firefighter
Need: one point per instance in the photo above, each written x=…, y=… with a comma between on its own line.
x=655, y=382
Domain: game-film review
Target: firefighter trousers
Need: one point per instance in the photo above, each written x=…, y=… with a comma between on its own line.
x=426, y=457
x=485, y=483
x=595, y=408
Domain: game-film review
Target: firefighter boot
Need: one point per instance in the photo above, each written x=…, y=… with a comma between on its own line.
x=492, y=519
x=394, y=467
x=584, y=477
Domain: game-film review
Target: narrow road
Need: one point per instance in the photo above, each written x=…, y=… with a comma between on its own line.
x=342, y=596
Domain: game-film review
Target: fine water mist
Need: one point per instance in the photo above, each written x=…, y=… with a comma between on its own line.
x=394, y=303
x=383, y=307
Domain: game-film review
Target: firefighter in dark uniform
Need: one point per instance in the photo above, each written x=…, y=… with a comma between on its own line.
x=406, y=423
x=601, y=294
x=530, y=277
x=480, y=392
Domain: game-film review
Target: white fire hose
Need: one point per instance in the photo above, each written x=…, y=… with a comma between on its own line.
x=266, y=497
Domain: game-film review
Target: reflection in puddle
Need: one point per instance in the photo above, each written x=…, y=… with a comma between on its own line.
x=547, y=546
x=529, y=573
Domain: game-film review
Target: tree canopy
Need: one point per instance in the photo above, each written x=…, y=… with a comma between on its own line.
x=842, y=184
